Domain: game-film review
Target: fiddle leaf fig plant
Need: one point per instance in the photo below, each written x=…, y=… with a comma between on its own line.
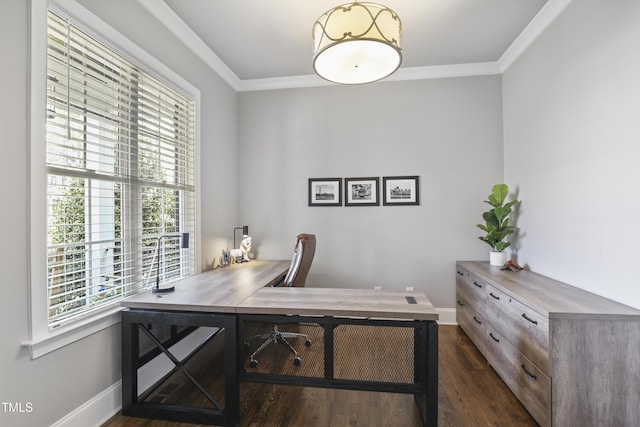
x=496, y=219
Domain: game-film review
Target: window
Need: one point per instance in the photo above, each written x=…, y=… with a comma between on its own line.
x=116, y=168
x=119, y=162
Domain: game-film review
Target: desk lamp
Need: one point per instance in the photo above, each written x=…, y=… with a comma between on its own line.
x=184, y=244
x=245, y=233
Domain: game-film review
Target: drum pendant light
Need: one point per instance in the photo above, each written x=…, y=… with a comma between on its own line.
x=357, y=43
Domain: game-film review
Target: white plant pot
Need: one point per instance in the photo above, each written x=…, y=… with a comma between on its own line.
x=497, y=258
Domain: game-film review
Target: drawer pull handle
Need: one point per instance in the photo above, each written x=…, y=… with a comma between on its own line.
x=460, y=273
x=477, y=284
x=496, y=297
x=460, y=303
x=535, y=322
x=493, y=338
x=477, y=321
x=524, y=368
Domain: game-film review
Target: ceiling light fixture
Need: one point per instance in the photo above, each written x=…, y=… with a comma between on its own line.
x=357, y=43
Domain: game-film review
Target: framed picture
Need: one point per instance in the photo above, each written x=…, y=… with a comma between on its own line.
x=401, y=190
x=361, y=191
x=325, y=191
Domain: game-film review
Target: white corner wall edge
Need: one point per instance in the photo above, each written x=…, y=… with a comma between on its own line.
x=100, y=408
x=547, y=14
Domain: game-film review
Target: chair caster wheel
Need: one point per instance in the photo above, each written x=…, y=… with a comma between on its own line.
x=307, y=342
x=253, y=364
x=297, y=361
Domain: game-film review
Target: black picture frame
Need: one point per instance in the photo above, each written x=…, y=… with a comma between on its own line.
x=362, y=191
x=401, y=190
x=325, y=191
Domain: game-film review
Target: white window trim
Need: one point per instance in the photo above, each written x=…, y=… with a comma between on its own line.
x=41, y=339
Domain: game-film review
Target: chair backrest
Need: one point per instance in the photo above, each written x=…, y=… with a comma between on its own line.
x=301, y=263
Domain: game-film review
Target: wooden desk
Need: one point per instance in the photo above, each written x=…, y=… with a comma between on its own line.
x=229, y=298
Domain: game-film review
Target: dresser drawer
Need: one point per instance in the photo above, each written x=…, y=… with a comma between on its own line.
x=471, y=322
x=525, y=328
x=528, y=383
x=472, y=289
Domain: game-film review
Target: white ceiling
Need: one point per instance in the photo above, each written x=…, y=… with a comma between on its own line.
x=271, y=39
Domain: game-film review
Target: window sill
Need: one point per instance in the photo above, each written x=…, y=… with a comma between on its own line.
x=69, y=334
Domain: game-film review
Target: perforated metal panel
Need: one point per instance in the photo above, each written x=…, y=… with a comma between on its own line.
x=372, y=353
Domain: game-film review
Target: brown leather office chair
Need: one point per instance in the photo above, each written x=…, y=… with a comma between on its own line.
x=302, y=258
x=304, y=252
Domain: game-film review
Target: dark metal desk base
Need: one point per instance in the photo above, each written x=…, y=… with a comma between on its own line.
x=134, y=321
x=423, y=384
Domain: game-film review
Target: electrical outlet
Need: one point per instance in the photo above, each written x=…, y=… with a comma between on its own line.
x=377, y=288
x=410, y=288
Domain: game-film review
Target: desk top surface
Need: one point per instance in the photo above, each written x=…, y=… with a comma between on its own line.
x=245, y=288
x=219, y=290
x=366, y=303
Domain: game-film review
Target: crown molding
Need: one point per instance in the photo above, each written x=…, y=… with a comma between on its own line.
x=445, y=71
x=414, y=73
x=547, y=15
x=289, y=82
x=186, y=35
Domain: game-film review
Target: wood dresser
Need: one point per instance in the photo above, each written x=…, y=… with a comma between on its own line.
x=571, y=357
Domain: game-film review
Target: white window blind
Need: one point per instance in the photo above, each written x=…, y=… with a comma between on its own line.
x=120, y=170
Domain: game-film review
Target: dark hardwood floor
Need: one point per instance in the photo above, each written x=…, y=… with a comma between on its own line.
x=470, y=394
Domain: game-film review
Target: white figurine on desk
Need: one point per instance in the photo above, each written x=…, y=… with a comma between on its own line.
x=245, y=246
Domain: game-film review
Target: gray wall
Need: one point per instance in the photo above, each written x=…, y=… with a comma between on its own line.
x=60, y=382
x=447, y=131
x=13, y=179
x=572, y=145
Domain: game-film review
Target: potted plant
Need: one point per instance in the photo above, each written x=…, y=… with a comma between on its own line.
x=496, y=224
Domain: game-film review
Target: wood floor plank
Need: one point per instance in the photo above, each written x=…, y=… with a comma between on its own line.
x=470, y=393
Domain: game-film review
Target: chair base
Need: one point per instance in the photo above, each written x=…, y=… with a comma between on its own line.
x=278, y=337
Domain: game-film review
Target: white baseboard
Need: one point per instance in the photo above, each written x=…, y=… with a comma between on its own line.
x=97, y=410
x=447, y=316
